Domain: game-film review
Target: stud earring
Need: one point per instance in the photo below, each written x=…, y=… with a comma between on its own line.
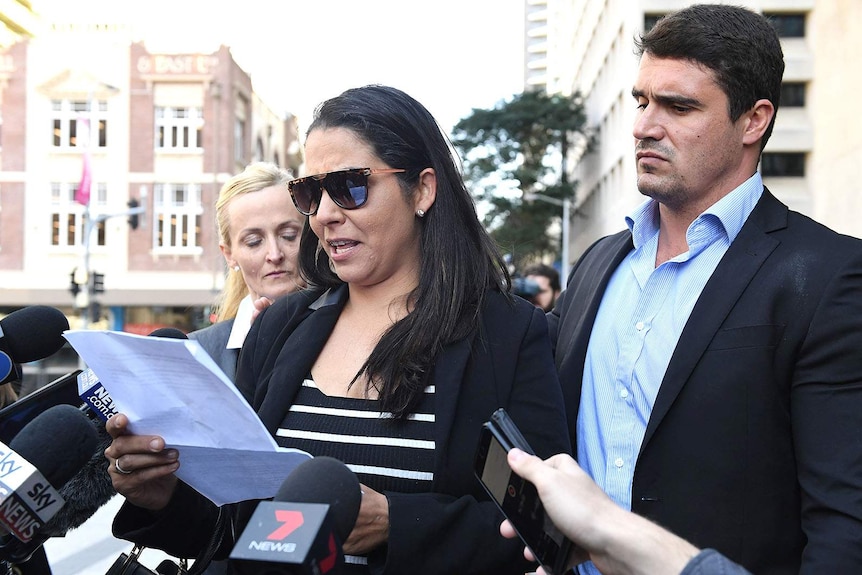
x=236, y=268
x=420, y=213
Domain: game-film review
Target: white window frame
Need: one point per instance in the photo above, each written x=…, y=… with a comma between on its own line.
x=239, y=129
x=67, y=114
x=66, y=212
x=178, y=128
x=177, y=211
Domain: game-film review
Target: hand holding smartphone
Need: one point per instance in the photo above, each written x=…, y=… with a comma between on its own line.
x=517, y=498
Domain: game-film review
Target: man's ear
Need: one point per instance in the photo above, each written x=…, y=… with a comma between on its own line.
x=757, y=120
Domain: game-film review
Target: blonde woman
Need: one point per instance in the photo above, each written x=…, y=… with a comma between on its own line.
x=259, y=230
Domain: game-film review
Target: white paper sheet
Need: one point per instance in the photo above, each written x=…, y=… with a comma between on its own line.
x=173, y=388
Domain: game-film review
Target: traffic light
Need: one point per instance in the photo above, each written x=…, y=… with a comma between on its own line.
x=133, y=218
x=74, y=288
x=98, y=282
x=94, y=311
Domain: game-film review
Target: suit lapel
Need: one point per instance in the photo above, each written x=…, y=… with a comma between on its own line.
x=447, y=376
x=298, y=347
x=580, y=305
x=745, y=256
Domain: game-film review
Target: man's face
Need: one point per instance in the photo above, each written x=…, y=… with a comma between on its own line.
x=546, y=296
x=688, y=152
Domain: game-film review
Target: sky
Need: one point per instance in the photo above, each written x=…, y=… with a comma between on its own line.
x=451, y=55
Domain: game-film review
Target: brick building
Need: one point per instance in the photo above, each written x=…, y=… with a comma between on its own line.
x=164, y=130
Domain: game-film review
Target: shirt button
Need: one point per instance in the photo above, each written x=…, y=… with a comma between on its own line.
x=624, y=393
x=618, y=462
x=639, y=326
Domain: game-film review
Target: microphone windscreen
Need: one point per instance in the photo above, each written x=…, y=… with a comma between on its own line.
x=86, y=492
x=325, y=480
x=170, y=332
x=34, y=332
x=58, y=442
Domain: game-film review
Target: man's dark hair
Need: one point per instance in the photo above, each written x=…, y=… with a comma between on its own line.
x=740, y=46
x=547, y=271
x=460, y=261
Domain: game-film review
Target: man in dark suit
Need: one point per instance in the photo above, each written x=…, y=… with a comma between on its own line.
x=711, y=354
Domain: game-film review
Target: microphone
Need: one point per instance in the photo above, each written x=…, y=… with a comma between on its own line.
x=91, y=487
x=169, y=332
x=29, y=334
x=86, y=492
x=45, y=455
x=301, y=530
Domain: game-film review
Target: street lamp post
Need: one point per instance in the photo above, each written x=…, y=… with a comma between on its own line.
x=566, y=204
x=91, y=222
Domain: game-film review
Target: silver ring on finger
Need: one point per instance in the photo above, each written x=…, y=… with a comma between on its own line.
x=120, y=469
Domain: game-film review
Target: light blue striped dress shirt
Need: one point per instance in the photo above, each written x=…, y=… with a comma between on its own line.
x=640, y=319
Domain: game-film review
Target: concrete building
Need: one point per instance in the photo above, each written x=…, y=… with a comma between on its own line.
x=164, y=130
x=810, y=160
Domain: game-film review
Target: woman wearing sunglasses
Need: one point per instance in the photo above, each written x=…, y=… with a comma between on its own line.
x=406, y=341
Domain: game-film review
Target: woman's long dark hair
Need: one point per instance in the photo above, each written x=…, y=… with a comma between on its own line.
x=460, y=261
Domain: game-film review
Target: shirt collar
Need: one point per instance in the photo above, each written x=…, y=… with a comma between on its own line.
x=732, y=210
x=241, y=323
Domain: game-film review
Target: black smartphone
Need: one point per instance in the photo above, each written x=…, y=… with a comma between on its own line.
x=13, y=417
x=517, y=498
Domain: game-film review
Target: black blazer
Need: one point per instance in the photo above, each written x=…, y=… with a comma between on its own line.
x=754, y=445
x=507, y=362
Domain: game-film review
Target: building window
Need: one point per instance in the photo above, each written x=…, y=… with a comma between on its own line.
x=788, y=25
x=239, y=140
x=650, y=21
x=792, y=94
x=783, y=164
x=68, y=217
x=177, y=216
x=71, y=118
x=178, y=128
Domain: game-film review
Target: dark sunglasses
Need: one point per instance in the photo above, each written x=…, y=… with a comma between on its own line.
x=347, y=188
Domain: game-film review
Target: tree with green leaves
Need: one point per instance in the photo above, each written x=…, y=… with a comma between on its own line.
x=518, y=148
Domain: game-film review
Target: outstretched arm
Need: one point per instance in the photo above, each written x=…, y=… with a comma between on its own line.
x=617, y=541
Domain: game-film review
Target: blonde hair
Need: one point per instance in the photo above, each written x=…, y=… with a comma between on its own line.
x=254, y=178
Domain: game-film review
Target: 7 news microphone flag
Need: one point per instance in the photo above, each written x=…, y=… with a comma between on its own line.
x=300, y=532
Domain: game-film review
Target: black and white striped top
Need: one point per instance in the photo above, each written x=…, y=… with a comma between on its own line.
x=386, y=454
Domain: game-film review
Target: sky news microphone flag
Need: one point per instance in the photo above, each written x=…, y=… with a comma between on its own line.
x=47, y=453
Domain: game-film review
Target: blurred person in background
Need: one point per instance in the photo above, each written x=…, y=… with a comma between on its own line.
x=259, y=230
x=547, y=278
